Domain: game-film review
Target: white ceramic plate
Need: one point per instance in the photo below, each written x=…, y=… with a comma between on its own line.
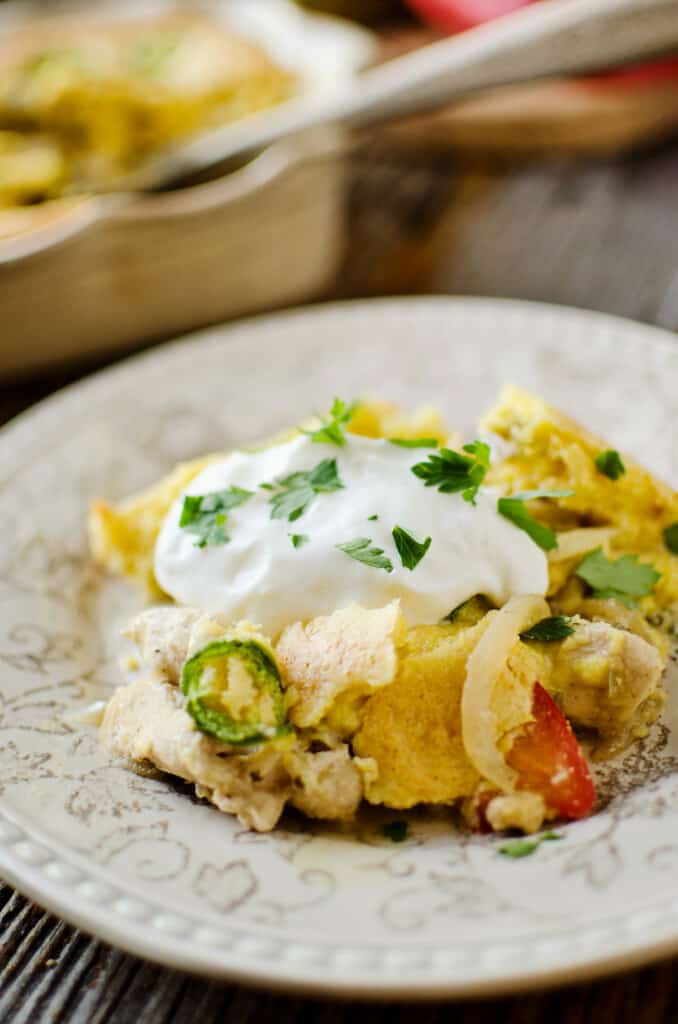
x=141, y=864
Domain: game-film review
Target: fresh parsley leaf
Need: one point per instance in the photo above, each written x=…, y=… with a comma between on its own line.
x=361, y=549
x=513, y=508
x=671, y=538
x=205, y=515
x=372, y=519
x=554, y=627
x=296, y=491
x=414, y=442
x=332, y=429
x=452, y=472
x=610, y=463
x=267, y=487
x=396, y=831
x=622, y=579
x=410, y=549
x=518, y=848
x=298, y=539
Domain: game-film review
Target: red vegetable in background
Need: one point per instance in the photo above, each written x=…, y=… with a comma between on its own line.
x=453, y=15
x=549, y=760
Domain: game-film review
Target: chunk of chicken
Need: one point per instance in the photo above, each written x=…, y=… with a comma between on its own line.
x=146, y=721
x=327, y=784
x=166, y=636
x=602, y=675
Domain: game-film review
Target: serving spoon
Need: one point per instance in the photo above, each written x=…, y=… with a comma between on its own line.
x=555, y=37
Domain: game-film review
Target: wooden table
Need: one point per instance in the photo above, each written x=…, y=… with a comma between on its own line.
x=602, y=235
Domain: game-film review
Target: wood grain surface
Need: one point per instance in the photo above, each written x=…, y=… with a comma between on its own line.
x=602, y=235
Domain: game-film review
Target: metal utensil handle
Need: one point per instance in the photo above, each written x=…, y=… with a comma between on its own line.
x=556, y=38
x=552, y=38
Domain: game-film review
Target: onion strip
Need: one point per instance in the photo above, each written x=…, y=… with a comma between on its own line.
x=577, y=542
x=487, y=661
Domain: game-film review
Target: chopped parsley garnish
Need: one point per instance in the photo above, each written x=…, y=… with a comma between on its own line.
x=361, y=549
x=555, y=627
x=205, y=515
x=671, y=538
x=513, y=508
x=410, y=549
x=332, y=429
x=372, y=519
x=610, y=464
x=518, y=848
x=298, y=539
x=414, y=442
x=267, y=487
x=296, y=491
x=396, y=831
x=452, y=472
x=622, y=579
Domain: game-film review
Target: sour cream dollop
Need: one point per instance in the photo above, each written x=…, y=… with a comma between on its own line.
x=261, y=576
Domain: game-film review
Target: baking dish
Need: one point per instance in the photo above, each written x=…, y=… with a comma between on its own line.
x=83, y=276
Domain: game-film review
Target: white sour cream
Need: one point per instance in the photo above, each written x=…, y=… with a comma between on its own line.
x=260, y=576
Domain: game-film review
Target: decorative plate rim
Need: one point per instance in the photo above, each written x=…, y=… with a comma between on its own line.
x=59, y=879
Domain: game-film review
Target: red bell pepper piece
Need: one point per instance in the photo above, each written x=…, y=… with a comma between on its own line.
x=549, y=760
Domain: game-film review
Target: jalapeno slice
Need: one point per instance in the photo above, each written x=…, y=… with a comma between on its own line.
x=233, y=692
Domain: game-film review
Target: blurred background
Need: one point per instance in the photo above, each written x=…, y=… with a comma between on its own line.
x=563, y=191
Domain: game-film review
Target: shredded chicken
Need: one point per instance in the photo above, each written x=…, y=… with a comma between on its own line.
x=602, y=675
x=326, y=784
x=146, y=721
x=165, y=637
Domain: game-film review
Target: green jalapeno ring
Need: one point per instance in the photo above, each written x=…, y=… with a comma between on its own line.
x=265, y=677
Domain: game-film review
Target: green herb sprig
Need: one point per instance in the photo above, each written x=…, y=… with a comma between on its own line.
x=362, y=550
x=333, y=427
x=205, y=515
x=554, y=627
x=410, y=549
x=298, y=539
x=295, y=492
x=414, y=442
x=451, y=472
x=517, y=848
x=513, y=508
x=610, y=464
x=623, y=579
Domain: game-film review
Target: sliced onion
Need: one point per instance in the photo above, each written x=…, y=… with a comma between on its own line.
x=577, y=542
x=487, y=661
